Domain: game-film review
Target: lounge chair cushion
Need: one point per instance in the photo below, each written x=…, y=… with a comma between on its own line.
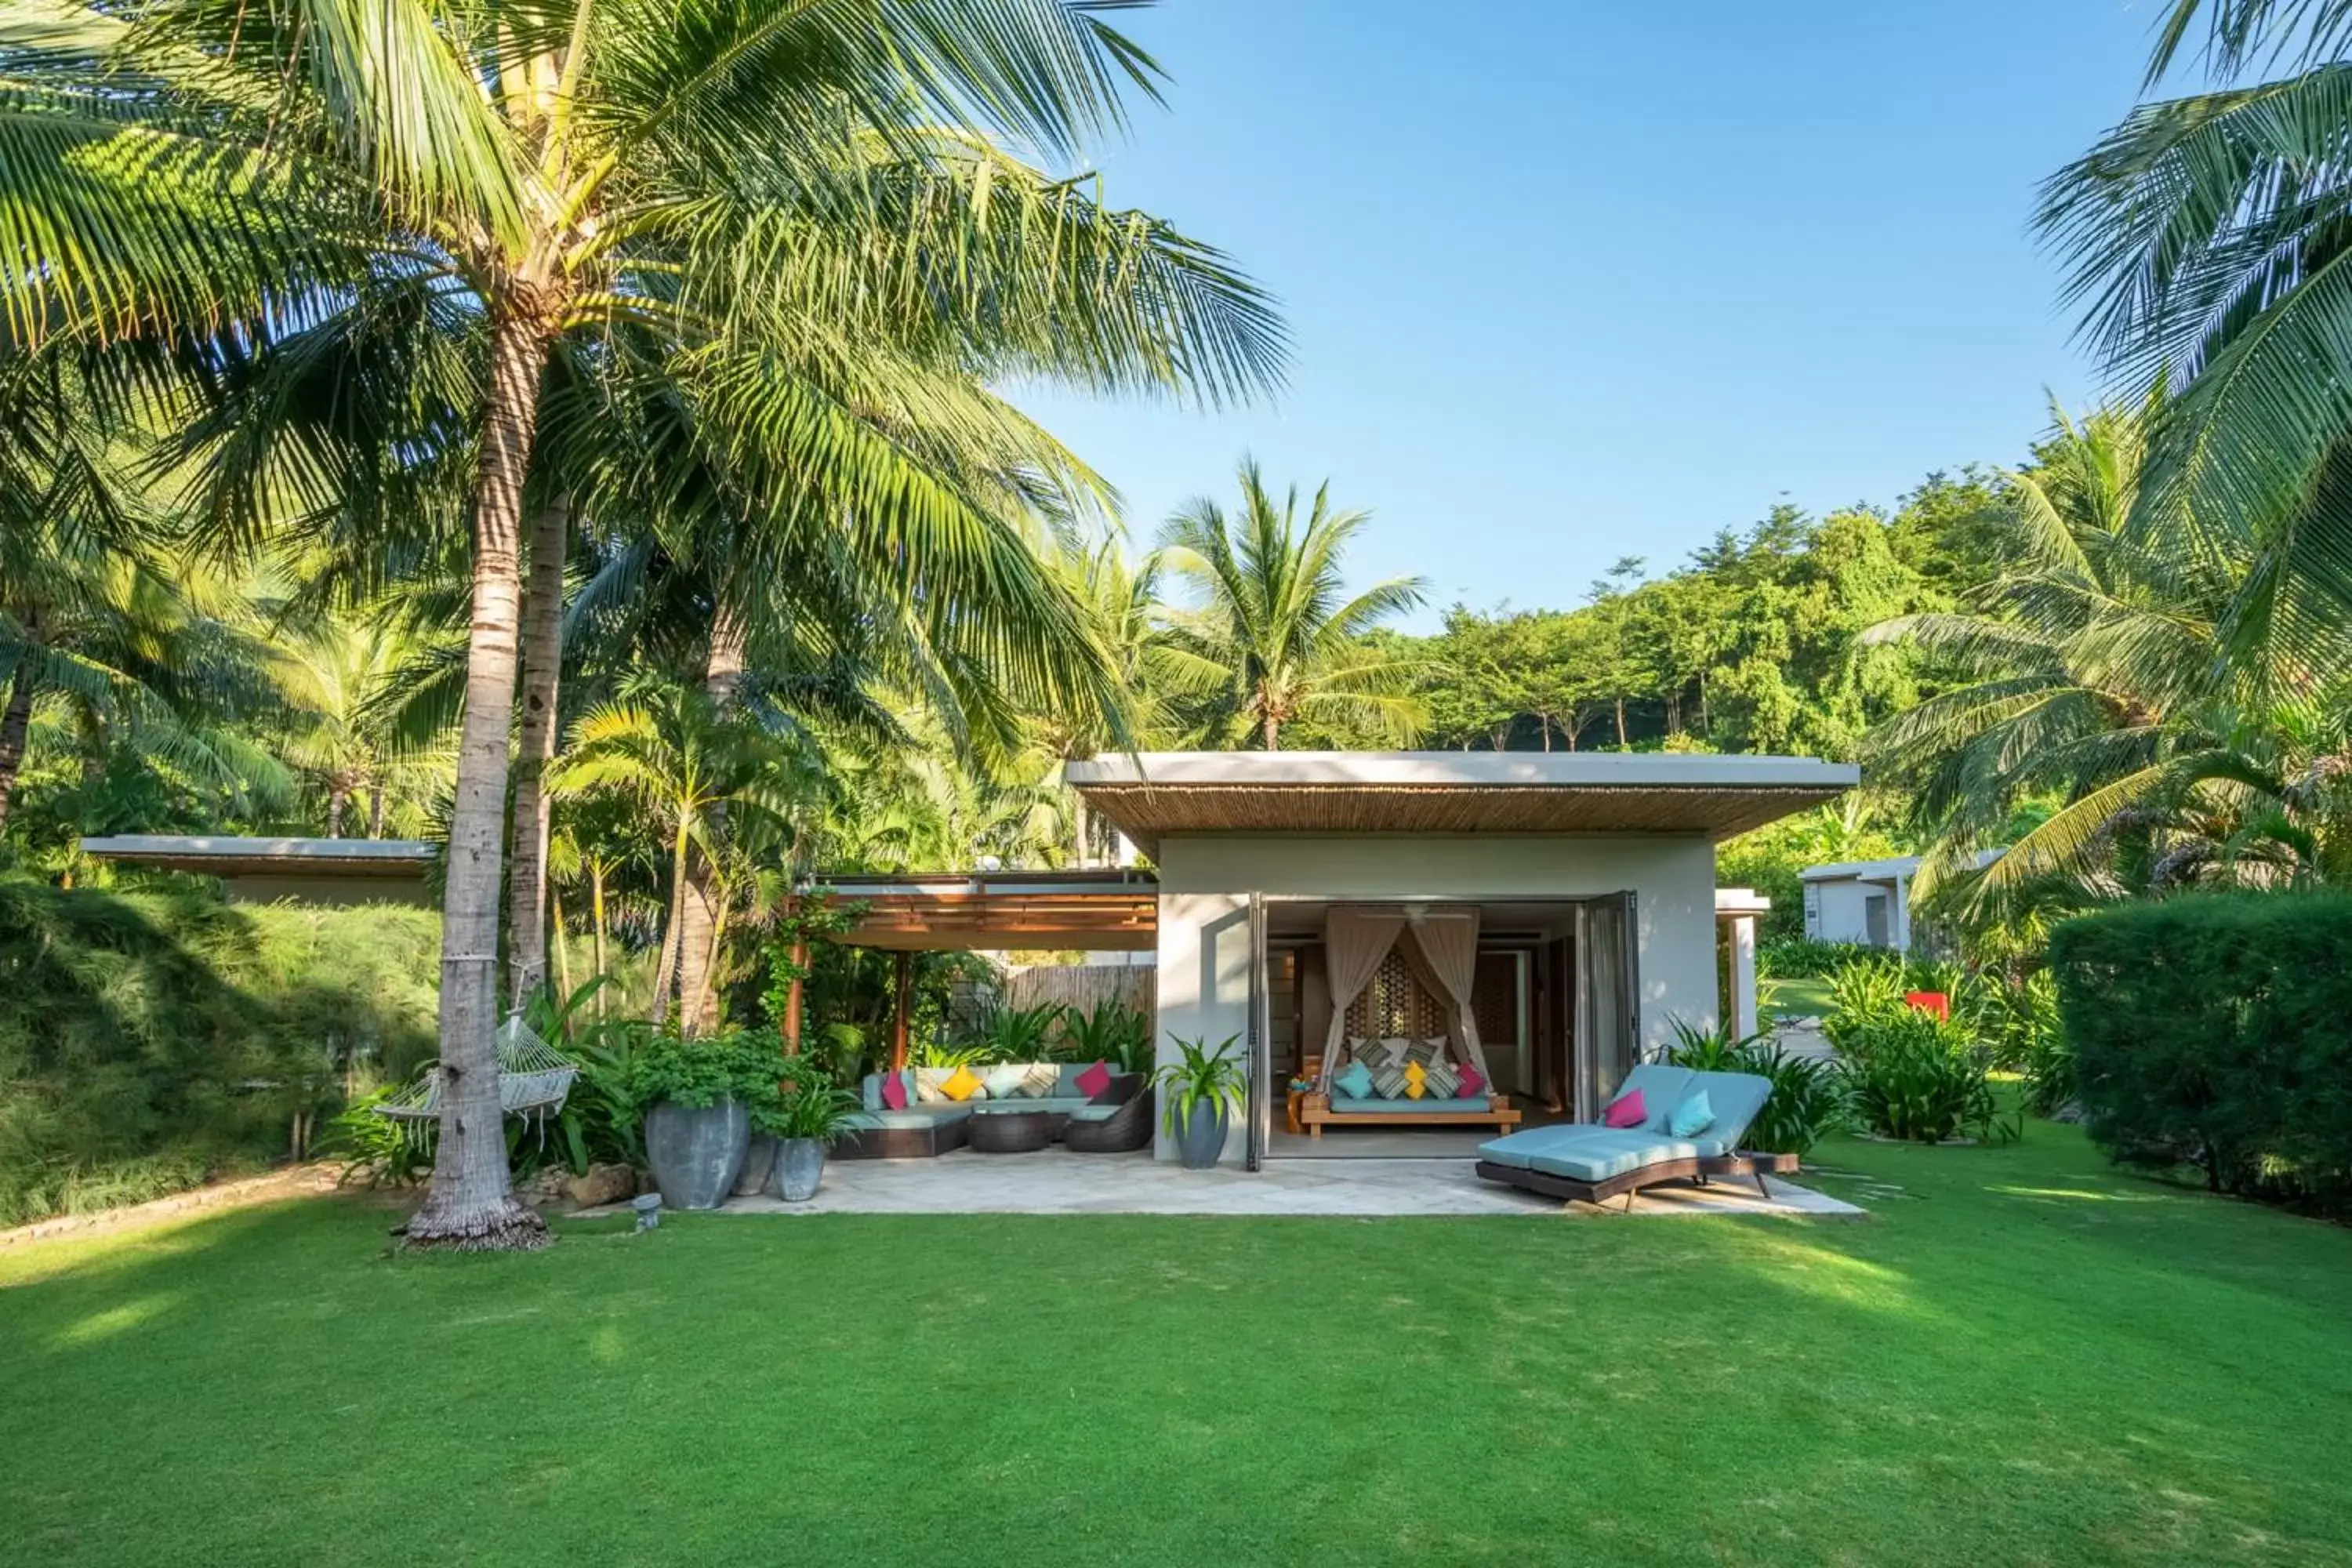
x=1095, y=1112
x=917, y=1116
x=1342, y=1104
x=1663, y=1088
x=1517, y=1149
x=1737, y=1096
x=1597, y=1156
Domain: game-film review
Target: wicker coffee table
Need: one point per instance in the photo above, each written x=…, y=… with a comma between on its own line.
x=1011, y=1132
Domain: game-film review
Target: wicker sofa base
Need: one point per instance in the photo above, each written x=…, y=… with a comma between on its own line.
x=1747, y=1163
x=904, y=1142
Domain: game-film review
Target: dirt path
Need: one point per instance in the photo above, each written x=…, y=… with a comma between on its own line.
x=294, y=1182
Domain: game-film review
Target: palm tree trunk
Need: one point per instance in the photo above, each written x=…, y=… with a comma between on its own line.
x=697, y=1001
x=667, y=969
x=471, y=1204
x=1621, y=723
x=1078, y=833
x=1273, y=732
x=562, y=952
x=596, y=914
x=375, y=811
x=542, y=667
x=339, y=801
x=15, y=724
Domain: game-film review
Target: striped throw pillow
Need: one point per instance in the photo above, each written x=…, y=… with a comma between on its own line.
x=1374, y=1054
x=1442, y=1080
x=1388, y=1083
x=1422, y=1051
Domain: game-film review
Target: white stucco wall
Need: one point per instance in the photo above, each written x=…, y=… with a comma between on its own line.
x=1205, y=882
x=1837, y=910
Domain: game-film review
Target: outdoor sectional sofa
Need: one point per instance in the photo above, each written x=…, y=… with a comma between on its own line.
x=1582, y=1159
x=928, y=1128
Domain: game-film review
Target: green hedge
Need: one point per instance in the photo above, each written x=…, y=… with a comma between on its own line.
x=2217, y=1029
x=149, y=1039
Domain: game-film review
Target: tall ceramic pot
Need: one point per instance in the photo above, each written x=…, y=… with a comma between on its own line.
x=758, y=1166
x=799, y=1166
x=696, y=1153
x=1201, y=1138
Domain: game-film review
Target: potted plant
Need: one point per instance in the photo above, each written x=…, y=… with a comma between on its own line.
x=698, y=1096
x=1201, y=1092
x=804, y=1119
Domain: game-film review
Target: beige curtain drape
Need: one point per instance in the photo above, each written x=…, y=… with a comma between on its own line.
x=1354, y=941
x=1444, y=952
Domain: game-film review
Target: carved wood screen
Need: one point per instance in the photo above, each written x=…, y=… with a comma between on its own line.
x=1395, y=1004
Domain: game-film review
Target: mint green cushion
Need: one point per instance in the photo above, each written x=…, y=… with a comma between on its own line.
x=1355, y=1080
x=1087, y=1112
x=1517, y=1149
x=1601, y=1156
x=1006, y=1081
x=1406, y=1107
x=913, y=1116
x=1692, y=1117
x=1737, y=1096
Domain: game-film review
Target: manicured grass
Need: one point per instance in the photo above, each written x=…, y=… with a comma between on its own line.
x=2023, y=1358
x=1804, y=998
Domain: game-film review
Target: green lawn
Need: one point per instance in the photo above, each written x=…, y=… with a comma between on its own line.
x=2023, y=1358
x=1807, y=997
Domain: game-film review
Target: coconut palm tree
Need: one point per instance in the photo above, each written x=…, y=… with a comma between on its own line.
x=1274, y=637
x=100, y=618
x=2205, y=236
x=684, y=761
x=2092, y=683
x=578, y=171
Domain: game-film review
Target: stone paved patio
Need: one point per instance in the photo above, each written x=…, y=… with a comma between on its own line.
x=1055, y=1181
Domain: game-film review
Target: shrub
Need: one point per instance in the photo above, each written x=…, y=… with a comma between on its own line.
x=149, y=1039
x=1114, y=1032
x=1921, y=1079
x=2212, y=1028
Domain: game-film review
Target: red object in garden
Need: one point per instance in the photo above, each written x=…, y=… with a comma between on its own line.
x=1935, y=1002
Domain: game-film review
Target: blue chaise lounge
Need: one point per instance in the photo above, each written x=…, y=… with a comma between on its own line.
x=1588, y=1160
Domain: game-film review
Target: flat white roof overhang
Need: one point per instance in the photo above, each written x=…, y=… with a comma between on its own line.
x=219, y=856
x=1158, y=795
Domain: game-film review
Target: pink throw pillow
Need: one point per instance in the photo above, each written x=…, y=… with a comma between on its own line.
x=1094, y=1080
x=1626, y=1111
x=1472, y=1085
x=894, y=1091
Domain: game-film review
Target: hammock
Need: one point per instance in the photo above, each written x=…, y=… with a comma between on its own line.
x=533, y=1080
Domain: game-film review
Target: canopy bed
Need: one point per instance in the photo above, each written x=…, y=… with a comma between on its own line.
x=1414, y=1058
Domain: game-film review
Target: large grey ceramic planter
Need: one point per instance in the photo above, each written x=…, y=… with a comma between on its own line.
x=758, y=1166
x=695, y=1154
x=1202, y=1136
x=799, y=1166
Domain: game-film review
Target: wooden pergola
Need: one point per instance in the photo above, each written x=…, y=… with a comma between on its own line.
x=1096, y=911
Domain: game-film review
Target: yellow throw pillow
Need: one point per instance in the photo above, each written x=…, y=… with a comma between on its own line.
x=1416, y=1080
x=962, y=1086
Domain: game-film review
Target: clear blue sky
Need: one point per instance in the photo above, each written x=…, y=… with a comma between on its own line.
x=1570, y=281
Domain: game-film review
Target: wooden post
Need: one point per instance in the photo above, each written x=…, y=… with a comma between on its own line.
x=793, y=999
x=901, y=1019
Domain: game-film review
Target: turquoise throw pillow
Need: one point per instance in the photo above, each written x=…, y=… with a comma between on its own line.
x=1692, y=1117
x=1355, y=1082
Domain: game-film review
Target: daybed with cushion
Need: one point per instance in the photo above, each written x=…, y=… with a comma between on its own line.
x=1402, y=1083
x=1689, y=1129
x=932, y=1119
